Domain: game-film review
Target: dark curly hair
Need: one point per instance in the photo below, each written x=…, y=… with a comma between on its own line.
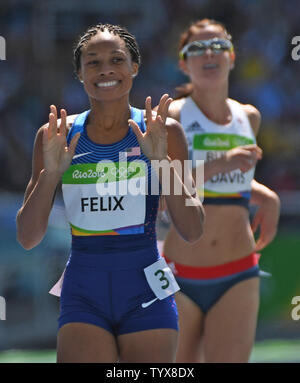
x=122, y=32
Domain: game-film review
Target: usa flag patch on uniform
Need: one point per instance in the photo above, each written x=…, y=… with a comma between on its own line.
x=135, y=151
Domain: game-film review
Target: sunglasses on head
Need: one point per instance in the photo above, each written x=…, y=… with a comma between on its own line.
x=198, y=48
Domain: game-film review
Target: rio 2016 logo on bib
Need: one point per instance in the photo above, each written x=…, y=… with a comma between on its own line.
x=108, y=176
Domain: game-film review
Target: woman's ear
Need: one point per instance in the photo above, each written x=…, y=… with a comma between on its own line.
x=135, y=69
x=79, y=76
x=183, y=67
x=232, y=59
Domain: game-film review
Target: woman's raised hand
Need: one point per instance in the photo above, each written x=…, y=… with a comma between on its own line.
x=57, y=155
x=154, y=142
x=243, y=157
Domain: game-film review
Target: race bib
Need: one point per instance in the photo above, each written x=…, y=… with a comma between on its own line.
x=161, y=280
x=105, y=198
x=207, y=147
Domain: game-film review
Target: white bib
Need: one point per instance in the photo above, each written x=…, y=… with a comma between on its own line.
x=160, y=279
x=104, y=197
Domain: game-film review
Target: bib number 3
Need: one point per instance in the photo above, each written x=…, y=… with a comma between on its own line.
x=161, y=280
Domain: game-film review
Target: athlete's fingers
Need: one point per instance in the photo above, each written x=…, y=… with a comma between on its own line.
x=45, y=135
x=136, y=130
x=250, y=147
x=161, y=105
x=52, y=126
x=165, y=111
x=254, y=148
x=53, y=110
x=73, y=144
x=63, y=122
x=250, y=153
x=248, y=159
x=148, y=111
x=261, y=243
x=259, y=150
x=246, y=164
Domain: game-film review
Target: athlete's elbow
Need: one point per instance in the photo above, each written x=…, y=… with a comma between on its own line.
x=195, y=231
x=26, y=241
x=27, y=245
x=26, y=238
x=194, y=235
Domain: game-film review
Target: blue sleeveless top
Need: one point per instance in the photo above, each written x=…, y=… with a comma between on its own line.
x=107, y=192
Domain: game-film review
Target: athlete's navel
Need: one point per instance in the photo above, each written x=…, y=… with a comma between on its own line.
x=213, y=242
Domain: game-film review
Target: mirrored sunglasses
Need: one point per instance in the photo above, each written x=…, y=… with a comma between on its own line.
x=198, y=48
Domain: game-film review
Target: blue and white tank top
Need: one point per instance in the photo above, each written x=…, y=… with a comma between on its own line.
x=106, y=190
x=208, y=140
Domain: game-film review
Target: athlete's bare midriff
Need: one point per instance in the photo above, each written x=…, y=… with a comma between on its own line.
x=227, y=236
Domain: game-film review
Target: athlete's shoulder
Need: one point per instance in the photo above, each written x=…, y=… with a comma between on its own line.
x=175, y=131
x=173, y=126
x=253, y=115
x=175, y=108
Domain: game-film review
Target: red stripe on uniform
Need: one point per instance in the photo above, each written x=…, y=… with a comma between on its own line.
x=210, y=272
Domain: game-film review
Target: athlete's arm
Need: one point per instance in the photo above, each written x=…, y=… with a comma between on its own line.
x=49, y=160
x=186, y=210
x=267, y=214
x=241, y=157
x=163, y=142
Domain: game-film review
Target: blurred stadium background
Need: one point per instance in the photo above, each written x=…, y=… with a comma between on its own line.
x=38, y=71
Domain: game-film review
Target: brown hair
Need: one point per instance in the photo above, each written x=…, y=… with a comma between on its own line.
x=186, y=89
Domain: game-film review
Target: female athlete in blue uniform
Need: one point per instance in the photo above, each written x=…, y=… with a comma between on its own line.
x=117, y=292
x=218, y=275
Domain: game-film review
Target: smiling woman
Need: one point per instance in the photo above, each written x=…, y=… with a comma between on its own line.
x=114, y=304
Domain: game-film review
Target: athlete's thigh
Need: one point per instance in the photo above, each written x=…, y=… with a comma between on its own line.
x=85, y=343
x=149, y=346
x=231, y=324
x=191, y=321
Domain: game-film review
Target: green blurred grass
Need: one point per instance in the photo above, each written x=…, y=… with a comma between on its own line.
x=281, y=259
x=269, y=351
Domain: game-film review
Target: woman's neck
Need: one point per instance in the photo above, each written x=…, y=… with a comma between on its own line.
x=213, y=104
x=108, y=121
